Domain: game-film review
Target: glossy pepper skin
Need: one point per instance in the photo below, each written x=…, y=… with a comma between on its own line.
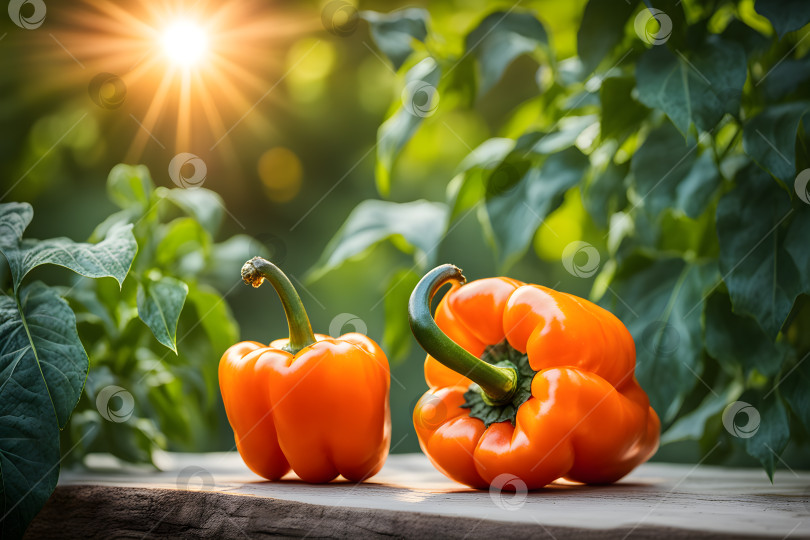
x=586, y=418
x=310, y=403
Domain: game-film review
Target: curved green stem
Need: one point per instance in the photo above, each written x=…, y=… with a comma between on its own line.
x=254, y=272
x=498, y=382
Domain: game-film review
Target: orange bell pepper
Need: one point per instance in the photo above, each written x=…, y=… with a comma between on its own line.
x=526, y=381
x=310, y=403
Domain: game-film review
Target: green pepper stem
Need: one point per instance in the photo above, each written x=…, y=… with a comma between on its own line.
x=498, y=383
x=254, y=272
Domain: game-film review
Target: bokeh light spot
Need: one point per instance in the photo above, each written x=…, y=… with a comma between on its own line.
x=280, y=171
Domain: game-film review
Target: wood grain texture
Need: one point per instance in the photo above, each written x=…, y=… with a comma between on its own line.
x=215, y=496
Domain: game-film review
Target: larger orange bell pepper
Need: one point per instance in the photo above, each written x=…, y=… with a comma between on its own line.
x=528, y=382
x=309, y=402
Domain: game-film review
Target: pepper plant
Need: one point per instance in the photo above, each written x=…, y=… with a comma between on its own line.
x=676, y=134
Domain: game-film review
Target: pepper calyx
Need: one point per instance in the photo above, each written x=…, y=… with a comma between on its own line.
x=502, y=355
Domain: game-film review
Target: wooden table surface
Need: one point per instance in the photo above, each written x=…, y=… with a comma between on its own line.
x=216, y=496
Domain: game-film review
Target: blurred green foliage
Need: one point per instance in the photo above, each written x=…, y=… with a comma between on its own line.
x=570, y=81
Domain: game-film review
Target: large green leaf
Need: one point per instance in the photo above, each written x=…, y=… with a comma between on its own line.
x=601, y=29
x=761, y=277
x=160, y=301
x=499, y=39
x=42, y=371
x=785, y=15
x=621, y=112
x=514, y=213
x=215, y=316
x=660, y=302
x=130, y=185
x=660, y=165
x=738, y=341
x=468, y=187
x=606, y=192
x=694, y=192
x=416, y=227
x=397, y=338
x=770, y=138
x=794, y=389
x=796, y=244
x=419, y=100
x=785, y=78
x=394, y=32
x=772, y=433
x=698, y=89
x=692, y=425
x=202, y=204
x=111, y=257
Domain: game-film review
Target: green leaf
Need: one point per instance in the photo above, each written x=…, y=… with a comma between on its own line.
x=770, y=138
x=468, y=186
x=736, y=340
x=394, y=32
x=773, y=433
x=660, y=165
x=42, y=371
x=694, y=192
x=111, y=257
x=660, y=302
x=793, y=388
x=514, y=213
x=130, y=186
x=601, y=29
x=181, y=237
x=605, y=193
x=420, y=98
x=785, y=15
x=416, y=227
x=691, y=426
x=202, y=204
x=621, y=113
x=215, y=316
x=698, y=89
x=160, y=302
x=796, y=245
x=785, y=78
x=761, y=277
x=499, y=39
x=397, y=338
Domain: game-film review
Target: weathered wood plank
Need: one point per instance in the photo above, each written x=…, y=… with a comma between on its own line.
x=215, y=496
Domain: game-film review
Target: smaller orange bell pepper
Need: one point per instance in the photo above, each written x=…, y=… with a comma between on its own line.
x=528, y=382
x=310, y=403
